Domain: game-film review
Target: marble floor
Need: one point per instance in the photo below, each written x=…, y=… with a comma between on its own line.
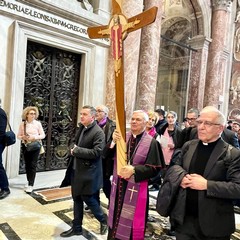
x=28, y=216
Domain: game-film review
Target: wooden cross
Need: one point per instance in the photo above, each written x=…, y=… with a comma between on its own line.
x=117, y=29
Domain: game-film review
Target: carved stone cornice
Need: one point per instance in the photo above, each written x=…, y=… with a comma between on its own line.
x=221, y=4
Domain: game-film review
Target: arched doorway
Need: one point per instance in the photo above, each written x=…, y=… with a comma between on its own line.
x=182, y=21
x=174, y=64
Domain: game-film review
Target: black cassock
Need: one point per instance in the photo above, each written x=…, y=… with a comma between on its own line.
x=153, y=164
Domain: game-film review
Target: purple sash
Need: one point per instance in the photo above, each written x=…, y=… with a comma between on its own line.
x=133, y=211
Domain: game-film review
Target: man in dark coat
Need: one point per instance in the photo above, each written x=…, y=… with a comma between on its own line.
x=87, y=167
x=191, y=133
x=4, y=185
x=128, y=209
x=204, y=205
x=227, y=135
x=108, y=127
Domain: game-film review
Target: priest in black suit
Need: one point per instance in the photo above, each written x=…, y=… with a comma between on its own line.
x=204, y=204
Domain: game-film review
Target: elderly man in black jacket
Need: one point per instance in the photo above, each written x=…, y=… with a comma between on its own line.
x=204, y=205
x=108, y=126
x=190, y=133
x=87, y=167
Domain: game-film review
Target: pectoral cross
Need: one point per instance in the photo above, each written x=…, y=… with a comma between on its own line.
x=117, y=29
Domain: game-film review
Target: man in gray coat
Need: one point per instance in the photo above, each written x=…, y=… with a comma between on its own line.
x=204, y=205
x=87, y=168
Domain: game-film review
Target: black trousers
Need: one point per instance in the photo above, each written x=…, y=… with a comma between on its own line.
x=190, y=230
x=93, y=205
x=30, y=164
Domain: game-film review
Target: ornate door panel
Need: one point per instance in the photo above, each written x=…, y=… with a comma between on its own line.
x=51, y=84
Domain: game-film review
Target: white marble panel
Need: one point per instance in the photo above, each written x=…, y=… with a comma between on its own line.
x=92, y=74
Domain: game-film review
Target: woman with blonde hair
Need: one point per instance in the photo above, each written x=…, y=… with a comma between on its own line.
x=30, y=132
x=150, y=127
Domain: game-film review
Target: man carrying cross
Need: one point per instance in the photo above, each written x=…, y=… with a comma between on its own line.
x=139, y=159
x=128, y=207
x=117, y=30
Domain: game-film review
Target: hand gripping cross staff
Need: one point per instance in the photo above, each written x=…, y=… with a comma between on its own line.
x=117, y=29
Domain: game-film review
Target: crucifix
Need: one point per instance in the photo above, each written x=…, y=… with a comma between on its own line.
x=117, y=29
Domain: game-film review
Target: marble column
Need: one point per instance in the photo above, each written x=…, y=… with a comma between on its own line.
x=149, y=60
x=216, y=68
x=198, y=74
x=131, y=58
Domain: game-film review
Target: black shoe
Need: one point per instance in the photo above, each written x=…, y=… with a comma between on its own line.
x=103, y=228
x=87, y=209
x=71, y=232
x=4, y=193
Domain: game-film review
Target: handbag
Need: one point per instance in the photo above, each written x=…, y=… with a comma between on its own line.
x=33, y=146
x=42, y=150
x=10, y=137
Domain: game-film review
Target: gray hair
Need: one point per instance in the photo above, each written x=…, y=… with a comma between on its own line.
x=194, y=110
x=104, y=108
x=173, y=113
x=221, y=119
x=145, y=115
x=92, y=109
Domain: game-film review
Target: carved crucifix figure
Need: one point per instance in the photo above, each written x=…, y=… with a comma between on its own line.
x=117, y=30
x=118, y=27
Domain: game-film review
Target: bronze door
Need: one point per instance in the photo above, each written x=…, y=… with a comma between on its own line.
x=52, y=84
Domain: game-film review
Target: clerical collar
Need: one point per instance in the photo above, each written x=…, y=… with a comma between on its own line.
x=138, y=136
x=210, y=143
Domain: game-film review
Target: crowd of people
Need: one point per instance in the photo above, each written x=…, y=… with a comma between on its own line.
x=197, y=164
x=156, y=143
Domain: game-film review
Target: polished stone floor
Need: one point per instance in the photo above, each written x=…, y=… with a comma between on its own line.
x=29, y=216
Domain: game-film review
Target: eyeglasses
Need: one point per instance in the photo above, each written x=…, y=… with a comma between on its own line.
x=206, y=123
x=32, y=113
x=98, y=110
x=191, y=119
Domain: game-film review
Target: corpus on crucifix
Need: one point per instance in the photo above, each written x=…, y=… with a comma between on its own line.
x=117, y=29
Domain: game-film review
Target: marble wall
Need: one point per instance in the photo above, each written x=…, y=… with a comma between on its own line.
x=21, y=22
